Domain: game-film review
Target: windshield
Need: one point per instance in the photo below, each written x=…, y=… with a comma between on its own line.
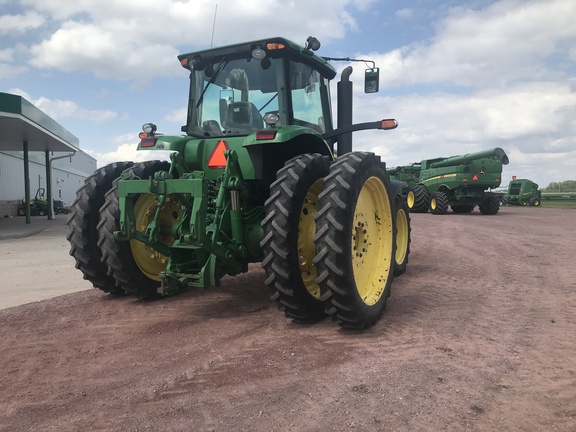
x=231, y=96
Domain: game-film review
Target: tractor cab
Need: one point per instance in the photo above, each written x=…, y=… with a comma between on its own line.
x=239, y=89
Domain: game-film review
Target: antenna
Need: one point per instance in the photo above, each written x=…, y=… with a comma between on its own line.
x=214, y=25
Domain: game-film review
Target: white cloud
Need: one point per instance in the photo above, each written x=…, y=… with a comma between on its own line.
x=138, y=39
x=127, y=152
x=6, y=54
x=10, y=24
x=527, y=121
x=9, y=71
x=66, y=108
x=491, y=47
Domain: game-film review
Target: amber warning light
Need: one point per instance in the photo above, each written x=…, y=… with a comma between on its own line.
x=388, y=124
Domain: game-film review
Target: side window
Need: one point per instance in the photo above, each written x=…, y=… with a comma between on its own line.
x=306, y=97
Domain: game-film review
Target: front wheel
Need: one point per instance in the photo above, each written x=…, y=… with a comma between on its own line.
x=438, y=203
x=418, y=199
x=355, y=245
x=289, y=228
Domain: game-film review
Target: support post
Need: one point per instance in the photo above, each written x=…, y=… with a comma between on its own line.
x=26, y=181
x=49, y=184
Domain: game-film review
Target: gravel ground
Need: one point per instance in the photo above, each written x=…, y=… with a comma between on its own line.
x=479, y=335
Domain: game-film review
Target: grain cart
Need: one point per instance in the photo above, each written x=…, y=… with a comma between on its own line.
x=462, y=182
x=523, y=192
x=253, y=178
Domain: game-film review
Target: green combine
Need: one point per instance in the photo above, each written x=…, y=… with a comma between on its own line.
x=253, y=178
x=461, y=182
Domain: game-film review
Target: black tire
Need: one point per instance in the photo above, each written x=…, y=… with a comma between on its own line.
x=439, y=203
x=21, y=211
x=83, y=222
x=403, y=236
x=355, y=242
x=127, y=262
x=490, y=206
x=534, y=202
x=418, y=199
x=42, y=212
x=460, y=209
x=288, y=245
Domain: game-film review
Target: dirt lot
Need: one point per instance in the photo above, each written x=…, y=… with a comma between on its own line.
x=479, y=334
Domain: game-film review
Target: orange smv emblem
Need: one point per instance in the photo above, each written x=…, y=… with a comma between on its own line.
x=217, y=160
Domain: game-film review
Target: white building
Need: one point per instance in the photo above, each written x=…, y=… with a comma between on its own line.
x=30, y=140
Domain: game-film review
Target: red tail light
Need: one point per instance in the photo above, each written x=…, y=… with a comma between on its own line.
x=148, y=142
x=266, y=134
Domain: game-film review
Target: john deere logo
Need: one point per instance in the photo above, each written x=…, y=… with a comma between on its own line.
x=482, y=171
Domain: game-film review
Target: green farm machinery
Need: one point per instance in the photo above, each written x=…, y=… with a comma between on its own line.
x=260, y=174
x=523, y=192
x=39, y=205
x=408, y=175
x=461, y=182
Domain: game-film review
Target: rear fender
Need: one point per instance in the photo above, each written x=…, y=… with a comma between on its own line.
x=268, y=156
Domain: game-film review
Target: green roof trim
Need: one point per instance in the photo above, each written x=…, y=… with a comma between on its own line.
x=19, y=118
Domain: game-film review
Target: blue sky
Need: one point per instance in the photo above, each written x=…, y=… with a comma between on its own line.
x=460, y=76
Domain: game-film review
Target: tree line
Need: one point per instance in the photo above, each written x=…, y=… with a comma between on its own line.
x=564, y=186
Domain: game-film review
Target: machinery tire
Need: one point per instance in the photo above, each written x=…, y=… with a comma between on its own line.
x=42, y=212
x=82, y=223
x=403, y=231
x=127, y=261
x=22, y=211
x=439, y=203
x=461, y=209
x=534, y=202
x=355, y=241
x=418, y=199
x=490, y=206
x=289, y=228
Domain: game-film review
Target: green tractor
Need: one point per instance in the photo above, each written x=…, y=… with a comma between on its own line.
x=461, y=182
x=523, y=192
x=38, y=205
x=253, y=178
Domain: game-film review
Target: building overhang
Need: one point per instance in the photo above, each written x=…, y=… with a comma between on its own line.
x=20, y=122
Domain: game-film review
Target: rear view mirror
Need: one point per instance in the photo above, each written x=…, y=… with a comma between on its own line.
x=372, y=80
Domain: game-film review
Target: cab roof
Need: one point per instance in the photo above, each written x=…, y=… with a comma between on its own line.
x=274, y=47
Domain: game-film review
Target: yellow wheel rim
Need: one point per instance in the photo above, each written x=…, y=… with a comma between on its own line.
x=150, y=261
x=372, y=241
x=306, y=232
x=433, y=203
x=410, y=199
x=401, y=236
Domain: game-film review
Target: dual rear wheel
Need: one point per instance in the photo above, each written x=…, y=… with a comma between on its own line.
x=342, y=262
